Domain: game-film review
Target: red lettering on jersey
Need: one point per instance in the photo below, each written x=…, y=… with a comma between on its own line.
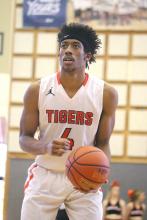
x=49, y=114
x=56, y=116
x=89, y=118
x=80, y=118
x=63, y=116
x=71, y=116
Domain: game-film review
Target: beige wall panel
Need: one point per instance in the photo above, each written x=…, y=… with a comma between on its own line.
x=15, y=114
x=19, y=18
x=137, y=70
x=22, y=67
x=19, y=1
x=139, y=95
x=45, y=66
x=96, y=69
x=137, y=146
x=120, y=120
x=13, y=143
x=138, y=120
x=6, y=27
x=23, y=42
x=47, y=43
x=4, y=96
x=122, y=93
x=139, y=47
x=117, y=69
x=117, y=144
x=118, y=44
x=18, y=90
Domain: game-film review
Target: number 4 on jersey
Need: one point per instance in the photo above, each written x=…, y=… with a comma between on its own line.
x=66, y=134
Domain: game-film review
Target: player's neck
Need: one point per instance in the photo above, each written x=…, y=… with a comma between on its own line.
x=72, y=81
x=137, y=203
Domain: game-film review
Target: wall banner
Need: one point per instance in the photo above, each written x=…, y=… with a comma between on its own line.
x=44, y=13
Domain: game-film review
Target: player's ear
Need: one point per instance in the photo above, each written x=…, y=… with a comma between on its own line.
x=88, y=56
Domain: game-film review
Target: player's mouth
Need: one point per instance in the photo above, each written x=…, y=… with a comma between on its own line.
x=68, y=60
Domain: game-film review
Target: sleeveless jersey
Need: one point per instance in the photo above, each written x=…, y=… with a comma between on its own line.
x=113, y=209
x=137, y=212
x=76, y=118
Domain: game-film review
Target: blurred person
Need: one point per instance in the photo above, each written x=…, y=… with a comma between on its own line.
x=114, y=207
x=135, y=207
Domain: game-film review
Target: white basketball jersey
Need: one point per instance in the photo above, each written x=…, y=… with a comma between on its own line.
x=75, y=118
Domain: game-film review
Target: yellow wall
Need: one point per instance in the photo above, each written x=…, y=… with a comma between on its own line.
x=6, y=9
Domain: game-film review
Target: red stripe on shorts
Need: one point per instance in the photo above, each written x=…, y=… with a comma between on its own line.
x=30, y=175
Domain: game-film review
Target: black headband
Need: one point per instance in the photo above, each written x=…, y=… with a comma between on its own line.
x=76, y=37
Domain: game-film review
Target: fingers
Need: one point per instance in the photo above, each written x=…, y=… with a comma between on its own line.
x=62, y=142
x=60, y=146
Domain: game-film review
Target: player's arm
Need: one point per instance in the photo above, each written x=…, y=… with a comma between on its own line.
x=128, y=211
x=105, y=203
x=107, y=120
x=144, y=207
x=29, y=123
x=123, y=209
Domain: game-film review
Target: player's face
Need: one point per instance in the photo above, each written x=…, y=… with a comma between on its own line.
x=115, y=191
x=72, y=55
x=142, y=197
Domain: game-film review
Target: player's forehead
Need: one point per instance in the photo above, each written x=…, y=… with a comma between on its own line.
x=71, y=41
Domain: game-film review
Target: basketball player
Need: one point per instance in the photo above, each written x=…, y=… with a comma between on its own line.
x=136, y=206
x=114, y=206
x=70, y=109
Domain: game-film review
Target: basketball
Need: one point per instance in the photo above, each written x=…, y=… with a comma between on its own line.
x=87, y=168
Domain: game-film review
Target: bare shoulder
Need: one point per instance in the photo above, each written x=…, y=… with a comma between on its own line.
x=32, y=93
x=110, y=98
x=130, y=205
x=144, y=206
x=122, y=202
x=105, y=202
x=33, y=89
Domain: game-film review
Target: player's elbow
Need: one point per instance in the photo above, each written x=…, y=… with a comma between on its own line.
x=22, y=142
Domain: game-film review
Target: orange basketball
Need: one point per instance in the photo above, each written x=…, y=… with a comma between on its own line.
x=87, y=168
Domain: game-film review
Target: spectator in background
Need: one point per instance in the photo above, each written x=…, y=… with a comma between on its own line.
x=114, y=206
x=135, y=207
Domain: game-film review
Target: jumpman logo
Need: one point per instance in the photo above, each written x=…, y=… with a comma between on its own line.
x=50, y=91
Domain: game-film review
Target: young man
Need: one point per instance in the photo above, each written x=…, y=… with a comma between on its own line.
x=71, y=109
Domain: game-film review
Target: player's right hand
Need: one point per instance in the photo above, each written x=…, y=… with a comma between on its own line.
x=59, y=146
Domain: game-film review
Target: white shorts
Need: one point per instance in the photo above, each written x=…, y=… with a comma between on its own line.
x=46, y=190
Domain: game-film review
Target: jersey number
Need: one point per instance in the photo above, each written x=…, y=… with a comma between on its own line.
x=66, y=134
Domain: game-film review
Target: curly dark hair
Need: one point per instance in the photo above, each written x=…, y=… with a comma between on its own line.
x=85, y=34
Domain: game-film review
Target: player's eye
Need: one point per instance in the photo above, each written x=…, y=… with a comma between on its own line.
x=63, y=46
x=76, y=46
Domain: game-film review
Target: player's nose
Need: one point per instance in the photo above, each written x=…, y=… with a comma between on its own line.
x=68, y=50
